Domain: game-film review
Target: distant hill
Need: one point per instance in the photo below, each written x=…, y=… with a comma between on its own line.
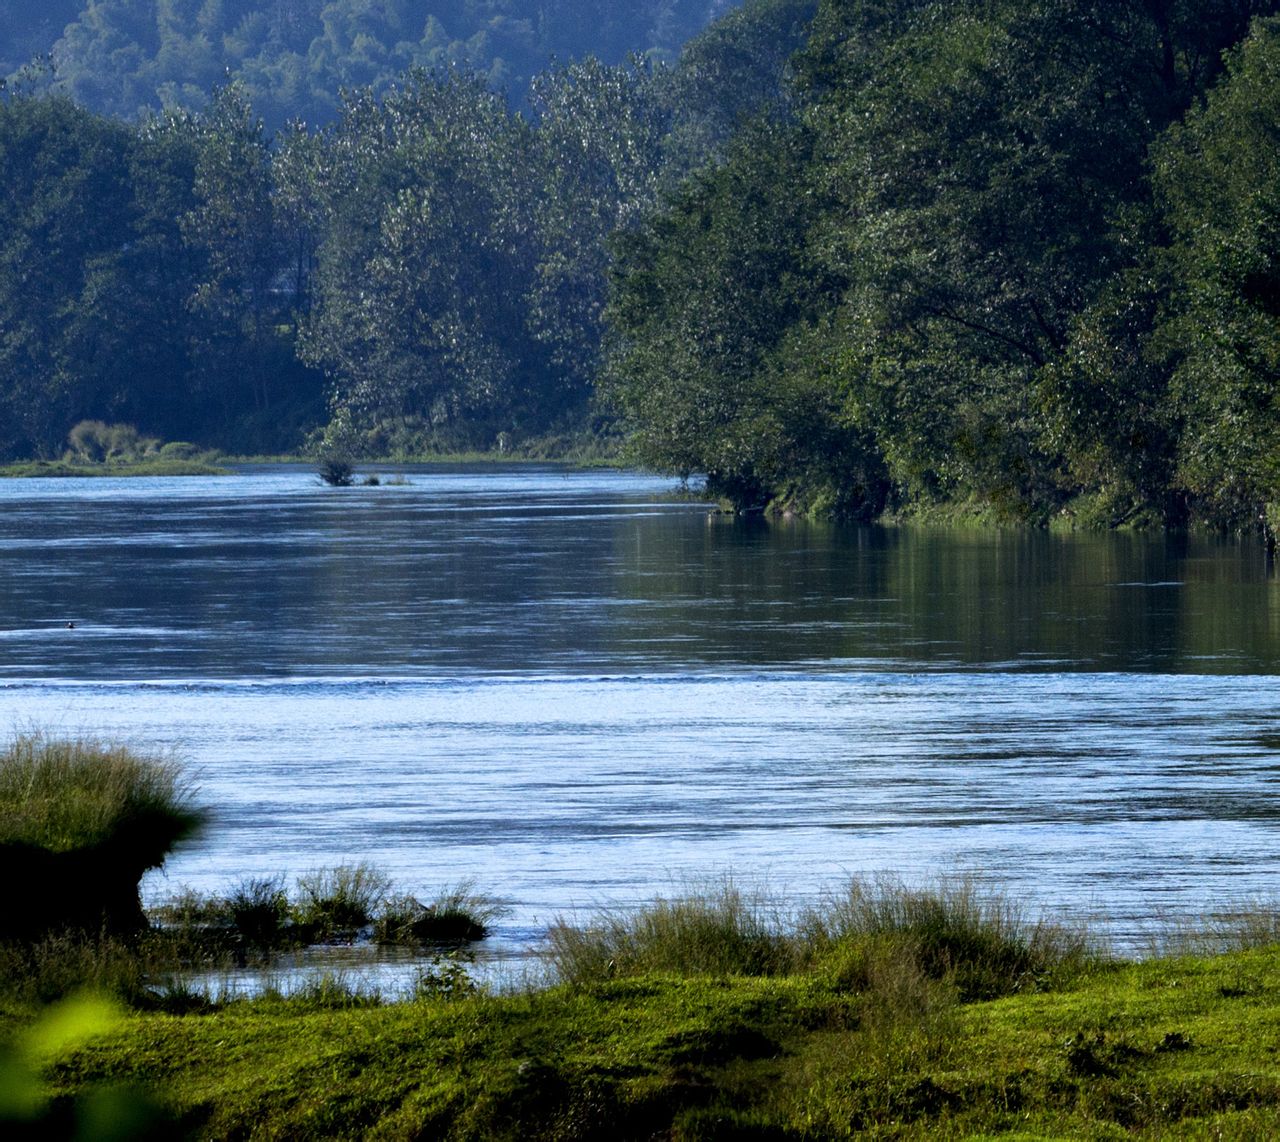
x=121, y=57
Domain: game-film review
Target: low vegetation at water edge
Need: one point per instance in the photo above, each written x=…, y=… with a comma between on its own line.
x=888, y=1010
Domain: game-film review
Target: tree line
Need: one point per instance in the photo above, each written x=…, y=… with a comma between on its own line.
x=1020, y=256
x=847, y=256
x=427, y=271
x=292, y=58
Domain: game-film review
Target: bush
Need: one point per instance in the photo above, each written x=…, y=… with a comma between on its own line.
x=336, y=472
x=80, y=822
x=94, y=441
x=182, y=450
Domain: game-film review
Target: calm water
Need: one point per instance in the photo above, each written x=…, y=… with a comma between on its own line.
x=576, y=690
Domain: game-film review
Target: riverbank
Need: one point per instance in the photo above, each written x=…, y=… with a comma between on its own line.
x=1176, y=1047
x=225, y=465
x=46, y=469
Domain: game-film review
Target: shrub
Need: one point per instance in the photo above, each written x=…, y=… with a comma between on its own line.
x=181, y=450
x=445, y=977
x=80, y=822
x=337, y=472
x=96, y=442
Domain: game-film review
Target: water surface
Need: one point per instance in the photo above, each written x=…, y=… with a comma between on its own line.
x=576, y=689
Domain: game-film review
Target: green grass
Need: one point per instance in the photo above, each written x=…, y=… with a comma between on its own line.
x=1181, y=1048
x=887, y=1011
x=156, y=467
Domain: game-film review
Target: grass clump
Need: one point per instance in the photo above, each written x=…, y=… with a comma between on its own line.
x=717, y=931
x=80, y=822
x=79, y=793
x=979, y=941
x=457, y=915
x=335, y=903
x=258, y=909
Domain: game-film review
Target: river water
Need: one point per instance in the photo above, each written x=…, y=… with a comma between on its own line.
x=576, y=689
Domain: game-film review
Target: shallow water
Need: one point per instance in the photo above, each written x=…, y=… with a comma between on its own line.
x=577, y=690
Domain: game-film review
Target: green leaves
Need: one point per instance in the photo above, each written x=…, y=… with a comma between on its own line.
x=991, y=312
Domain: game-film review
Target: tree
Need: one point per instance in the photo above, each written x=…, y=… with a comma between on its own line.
x=426, y=260
x=65, y=217
x=598, y=150
x=711, y=361
x=231, y=226
x=1218, y=183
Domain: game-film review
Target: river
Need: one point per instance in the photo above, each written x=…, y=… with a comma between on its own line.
x=577, y=689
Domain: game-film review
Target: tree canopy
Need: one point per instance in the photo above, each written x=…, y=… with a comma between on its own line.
x=1026, y=282
x=840, y=255
x=292, y=58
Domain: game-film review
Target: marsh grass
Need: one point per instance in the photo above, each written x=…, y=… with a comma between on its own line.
x=457, y=915
x=716, y=930
x=335, y=903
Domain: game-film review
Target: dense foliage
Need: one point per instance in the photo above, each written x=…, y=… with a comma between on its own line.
x=1018, y=254
x=293, y=57
x=427, y=271
x=864, y=254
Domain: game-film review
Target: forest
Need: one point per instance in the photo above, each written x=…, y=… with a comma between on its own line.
x=293, y=58
x=1005, y=258
x=1018, y=259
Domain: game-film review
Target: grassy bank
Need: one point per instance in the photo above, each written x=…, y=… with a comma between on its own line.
x=161, y=467
x=885, y=1012
x=1170, y=1048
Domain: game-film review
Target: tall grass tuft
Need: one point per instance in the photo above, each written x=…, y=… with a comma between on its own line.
x=457, y=915
x=81, y=793
x=977, y=940
x=878, y=937
x=716, y=931
x=80, y=822
x=335, y=903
